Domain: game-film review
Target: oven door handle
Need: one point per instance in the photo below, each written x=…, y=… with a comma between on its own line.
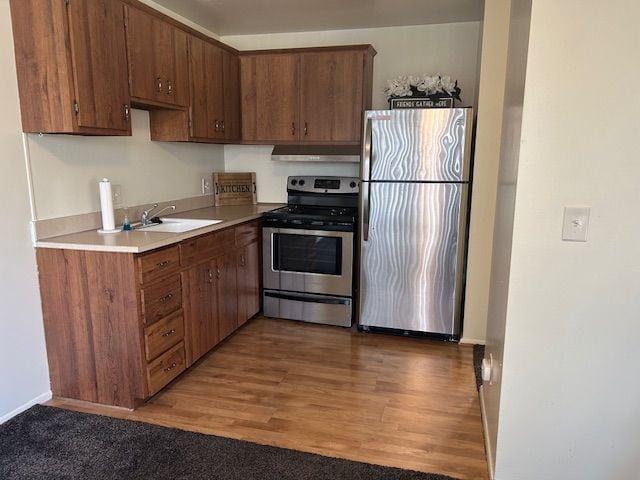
x=308, y=298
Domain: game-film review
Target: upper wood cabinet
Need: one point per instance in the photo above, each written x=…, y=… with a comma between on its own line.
x=313, y=96
x=270, y=97
x=71, y=66
x=158, y=62
x=214, y=112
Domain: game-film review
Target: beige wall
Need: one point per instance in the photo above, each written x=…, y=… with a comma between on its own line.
x=487, y=156
x=66, y=169
x=24, y=376
x=570, y=389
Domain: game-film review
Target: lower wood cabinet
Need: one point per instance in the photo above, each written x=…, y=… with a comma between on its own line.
x=119, y=327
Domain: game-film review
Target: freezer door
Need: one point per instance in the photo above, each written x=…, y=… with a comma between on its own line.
x=417, y=145
x=412, y=257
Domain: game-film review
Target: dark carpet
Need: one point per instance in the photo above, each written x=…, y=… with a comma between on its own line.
x=51, y=443
x=478, y=355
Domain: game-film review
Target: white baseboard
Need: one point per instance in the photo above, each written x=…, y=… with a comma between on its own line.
x=472, y=341
x=485, y=428
x=39, y=399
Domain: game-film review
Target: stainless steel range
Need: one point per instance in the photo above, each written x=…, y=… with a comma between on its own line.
x=309, y=251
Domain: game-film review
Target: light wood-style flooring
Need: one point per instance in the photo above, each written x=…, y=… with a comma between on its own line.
x=396, y=401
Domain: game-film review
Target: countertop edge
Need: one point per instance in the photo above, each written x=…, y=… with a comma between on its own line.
x=152, y=245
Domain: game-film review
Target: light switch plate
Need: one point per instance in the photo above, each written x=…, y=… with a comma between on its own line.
x=576, y=224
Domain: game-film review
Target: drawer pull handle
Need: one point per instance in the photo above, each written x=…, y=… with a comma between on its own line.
x=169, y=333
x=242, y=261
x=218, y=273
x=163, y=263
x=166, y=298
x=171, y=367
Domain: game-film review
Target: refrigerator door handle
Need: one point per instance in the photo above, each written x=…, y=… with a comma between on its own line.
x=365, y=162
x=365, y=192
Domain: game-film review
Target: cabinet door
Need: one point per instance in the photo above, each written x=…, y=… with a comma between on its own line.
x=331, y=96
x=248, y=282
x=200, y=310
x=144, y=77
x=227, y=294
x=231, y=85
x=215, y=101
x=100, y=64
x=269, y=92
x=198, y=74
x=179, y=77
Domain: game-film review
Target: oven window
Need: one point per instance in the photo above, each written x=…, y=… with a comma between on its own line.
x=307, y=254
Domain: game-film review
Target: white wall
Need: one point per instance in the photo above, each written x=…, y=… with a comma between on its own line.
x=487, y=156
x=67, y=169
x=24, y=375
x=570, y=386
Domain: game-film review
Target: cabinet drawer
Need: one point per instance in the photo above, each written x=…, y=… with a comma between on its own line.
x=159, y=263
x=165, y=368
x=162, y=335
x=161, y=299
x=247, y=233
x=204, y=247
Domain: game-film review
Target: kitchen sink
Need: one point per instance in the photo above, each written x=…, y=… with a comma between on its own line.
x=178, y=225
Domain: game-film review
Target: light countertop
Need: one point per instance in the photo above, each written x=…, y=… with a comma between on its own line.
x=139, y=241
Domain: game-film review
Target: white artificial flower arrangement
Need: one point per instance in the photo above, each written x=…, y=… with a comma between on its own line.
x=422, y=86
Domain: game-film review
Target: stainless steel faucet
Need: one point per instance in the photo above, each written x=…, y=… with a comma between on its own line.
x=145, y=220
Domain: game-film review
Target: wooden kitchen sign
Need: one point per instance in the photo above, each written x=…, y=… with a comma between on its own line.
x=234, y=189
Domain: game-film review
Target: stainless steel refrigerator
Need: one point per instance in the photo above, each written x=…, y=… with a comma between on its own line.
x=415, y=180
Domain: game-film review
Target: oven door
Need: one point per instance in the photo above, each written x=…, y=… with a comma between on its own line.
x=309, y=261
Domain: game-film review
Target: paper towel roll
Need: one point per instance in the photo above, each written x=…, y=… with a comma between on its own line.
x=106, y=205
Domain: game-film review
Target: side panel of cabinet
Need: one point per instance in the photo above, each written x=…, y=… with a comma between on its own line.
x=97, y=356
x=231, y=84
x=200, y=311
x=270, y=99
x=331, y=96
x=43, y=66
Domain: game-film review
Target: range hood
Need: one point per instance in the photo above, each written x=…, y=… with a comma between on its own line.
x=316, y=153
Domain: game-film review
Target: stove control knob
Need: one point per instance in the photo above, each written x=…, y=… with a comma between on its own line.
x=301, y=182
x=352, y=184
x=294, y=182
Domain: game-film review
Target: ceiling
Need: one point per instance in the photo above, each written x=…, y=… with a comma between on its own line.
x=241, y=17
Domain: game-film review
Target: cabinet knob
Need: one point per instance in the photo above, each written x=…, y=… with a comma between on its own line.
x=159, y=84
x=242, y=261
x=171, y=367
x=293, y=128
x=166, y=298
x=216, y=125
x=169, y=87
x=127, y=111
x=218, y=273
x=306, y=129
x=210, y=276
x=222, y=126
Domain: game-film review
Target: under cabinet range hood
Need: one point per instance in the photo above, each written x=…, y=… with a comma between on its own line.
x=316, y=153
